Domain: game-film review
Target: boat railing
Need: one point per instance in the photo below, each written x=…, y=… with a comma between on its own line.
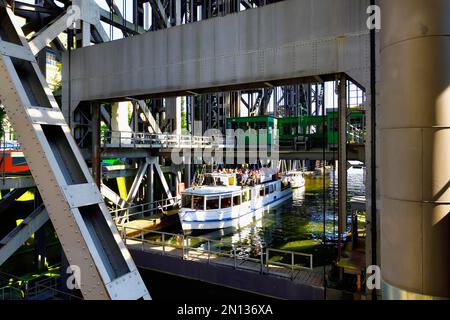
x=201, y=249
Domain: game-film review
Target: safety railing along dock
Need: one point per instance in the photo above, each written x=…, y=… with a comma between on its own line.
x=204, y=250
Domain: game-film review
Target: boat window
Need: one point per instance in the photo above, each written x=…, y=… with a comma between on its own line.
x=261, y=192
x=246, y=196
x=198, y=202
x=237, y=200
x=212, y=203
x=267, y=190
x=225, y=202
x=187, y=201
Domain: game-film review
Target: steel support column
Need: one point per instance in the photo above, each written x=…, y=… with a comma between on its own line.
x=96, y=150
x=342, y=168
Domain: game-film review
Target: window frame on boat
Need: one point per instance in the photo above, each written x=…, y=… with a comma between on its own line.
x=261, y=191
x=239, y=196
x=212, y=198
x=227, y=196
x=183, y=203
x=248, y=197
x=246, y=194
x=194, y=202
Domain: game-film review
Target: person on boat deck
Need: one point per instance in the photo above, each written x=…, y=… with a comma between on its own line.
x=245, y=177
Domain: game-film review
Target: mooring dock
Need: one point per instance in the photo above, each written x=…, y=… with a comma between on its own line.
x=172, y=253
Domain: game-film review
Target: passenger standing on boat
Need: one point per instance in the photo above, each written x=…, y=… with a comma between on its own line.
x=245, y=177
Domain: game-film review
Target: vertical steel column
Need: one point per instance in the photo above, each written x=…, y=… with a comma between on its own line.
x=150, y=183
x=371, y=221
x=342, y=168
x=414, y=149
x=96, y=158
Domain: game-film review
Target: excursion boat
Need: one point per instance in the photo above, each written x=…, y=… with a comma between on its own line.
x=223, y=202
x=295, y=178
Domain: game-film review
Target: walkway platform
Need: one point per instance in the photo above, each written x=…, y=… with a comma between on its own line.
x=16, y=182
x=241, y=273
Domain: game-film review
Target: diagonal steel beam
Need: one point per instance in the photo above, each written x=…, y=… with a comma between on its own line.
x=105, y=116
x=44, y=37
x=17, y=237
x=161, y=11
x=153, y=125
x=163, y=182
x=8, y=199
x=112, y=196
x=137, y=181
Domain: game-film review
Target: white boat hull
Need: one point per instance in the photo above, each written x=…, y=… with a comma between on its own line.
x=237, y=217
x=295, y=179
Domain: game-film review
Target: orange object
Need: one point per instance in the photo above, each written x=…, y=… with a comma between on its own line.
x=181, y=187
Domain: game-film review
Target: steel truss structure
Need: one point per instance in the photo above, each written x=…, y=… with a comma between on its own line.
x=74, y=204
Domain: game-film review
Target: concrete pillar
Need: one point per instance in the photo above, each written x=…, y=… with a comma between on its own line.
x=177, y=12
x=119, y=123
x=414, y=144
x=173, y=106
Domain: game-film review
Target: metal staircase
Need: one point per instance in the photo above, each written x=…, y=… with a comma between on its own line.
x=74, y=204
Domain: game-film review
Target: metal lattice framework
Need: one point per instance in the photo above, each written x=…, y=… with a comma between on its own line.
x=74, y=204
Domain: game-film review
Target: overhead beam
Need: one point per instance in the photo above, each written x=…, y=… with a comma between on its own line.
x=222, y=53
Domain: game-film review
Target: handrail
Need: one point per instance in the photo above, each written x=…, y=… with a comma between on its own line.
x=292, y=265
x=161, y=140
x=144, y=208
x=216, y=248
x=9, y=293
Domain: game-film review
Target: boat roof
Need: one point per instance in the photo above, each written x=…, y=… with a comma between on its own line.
x=294, y=173
x=211, y=190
